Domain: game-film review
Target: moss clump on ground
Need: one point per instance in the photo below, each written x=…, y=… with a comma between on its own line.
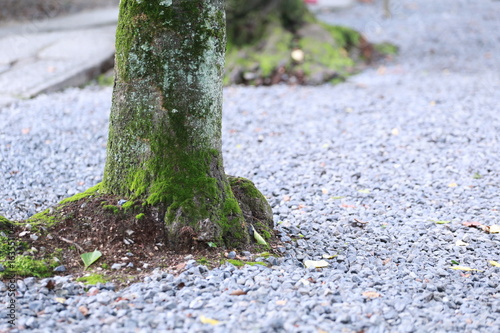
x=111, y=208
x=91, y=191
x=92, y=279
x=25, y=265
x=241, y=263
x=386, y=48
x=45, y=218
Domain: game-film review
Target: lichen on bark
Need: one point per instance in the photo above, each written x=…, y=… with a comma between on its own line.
x=164, y=144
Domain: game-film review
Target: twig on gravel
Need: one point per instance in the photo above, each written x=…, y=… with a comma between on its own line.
x=71, y=242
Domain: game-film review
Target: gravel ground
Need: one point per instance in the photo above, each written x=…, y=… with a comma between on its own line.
x=399, y=147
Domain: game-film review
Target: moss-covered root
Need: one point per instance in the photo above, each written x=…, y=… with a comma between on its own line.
x=5, y=224
x=256, y=210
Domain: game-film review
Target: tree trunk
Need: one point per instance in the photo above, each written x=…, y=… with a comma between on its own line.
x=164, y=145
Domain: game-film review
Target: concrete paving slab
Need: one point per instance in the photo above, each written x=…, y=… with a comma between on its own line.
x=54, y=54
x=84, y=20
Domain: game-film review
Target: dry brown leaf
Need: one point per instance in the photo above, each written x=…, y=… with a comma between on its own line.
x=83, y=309
x=93, y=292
x=371, y=294
x=494, y=229
x=472, y=224
x=238, y=293
x=181, y=266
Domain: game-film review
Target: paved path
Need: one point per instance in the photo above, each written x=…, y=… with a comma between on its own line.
x=52, y=54
x=48, y=55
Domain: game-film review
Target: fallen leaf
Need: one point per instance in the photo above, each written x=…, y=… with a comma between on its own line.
x=441, y=222
x=60, y=299
x=494, y=263
x=494, y=229
x=281, y=302
x=454, y=262
x=337, y=198
x=347, y=206
x=83, y=310
x=93, y=292
x=452, y=185
x=371, y=294
x=206, y=320
x=286, y=198
x=315, y=263
x=180, y=266
x=366, y=191
x=464, y=268
x=238, y=293
x=461, y=243
x=329, y=256
x=260, y=240
x=472, y=224
x=50, y=285
x=324, y=190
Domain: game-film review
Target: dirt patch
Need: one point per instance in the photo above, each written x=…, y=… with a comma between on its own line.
x=126, y=233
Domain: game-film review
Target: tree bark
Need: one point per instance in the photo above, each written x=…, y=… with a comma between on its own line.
x=164, y=145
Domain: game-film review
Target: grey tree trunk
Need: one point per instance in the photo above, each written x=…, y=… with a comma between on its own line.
x=164, y=145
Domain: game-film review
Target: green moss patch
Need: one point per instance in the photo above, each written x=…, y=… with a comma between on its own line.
x=241, y=263
x=92, y=279
x=91, y=191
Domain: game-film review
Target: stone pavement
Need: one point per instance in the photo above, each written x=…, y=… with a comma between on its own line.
x=52, y=54
x=48, y=55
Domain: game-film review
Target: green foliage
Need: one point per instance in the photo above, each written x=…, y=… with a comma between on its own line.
x=203, y=261
x=90, y=257
x=140, y=216
x=92, y=279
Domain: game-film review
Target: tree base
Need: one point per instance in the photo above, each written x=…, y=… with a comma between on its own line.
x=127, y=233
x=315, y=54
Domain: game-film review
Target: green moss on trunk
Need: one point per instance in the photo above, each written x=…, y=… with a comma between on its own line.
x=164, y=144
